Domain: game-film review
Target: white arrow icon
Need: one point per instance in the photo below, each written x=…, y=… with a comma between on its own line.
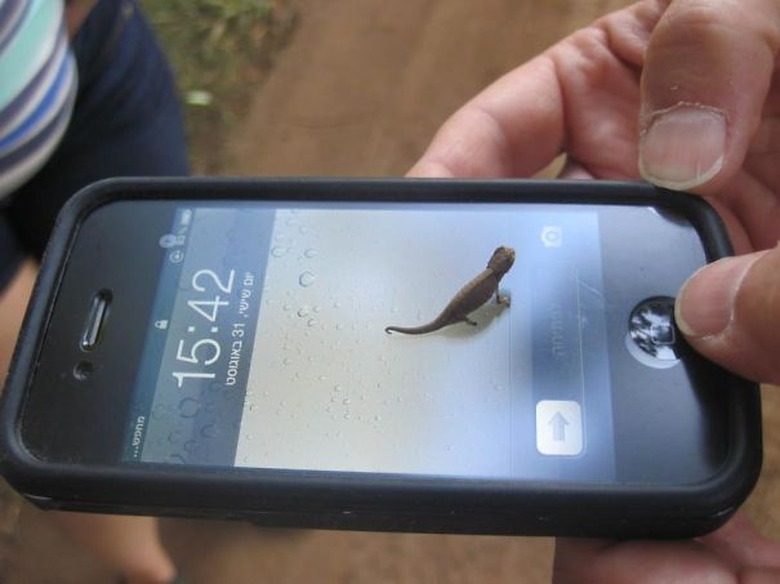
x=559, y=428
x=558, y=423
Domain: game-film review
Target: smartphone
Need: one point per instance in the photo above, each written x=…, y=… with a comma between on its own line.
x=250, y=349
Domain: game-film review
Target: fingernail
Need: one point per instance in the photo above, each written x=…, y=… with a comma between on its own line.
x=705, y=304
x=683, y=146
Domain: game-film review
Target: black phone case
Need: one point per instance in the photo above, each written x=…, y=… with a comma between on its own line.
x=378, y=502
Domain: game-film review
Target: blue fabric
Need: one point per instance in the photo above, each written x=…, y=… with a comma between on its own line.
x=45, y=137
x=11, y=253
x=127, y=121
x=12, y=13
x=58, y=57
x=48, y=104
x=29, y=48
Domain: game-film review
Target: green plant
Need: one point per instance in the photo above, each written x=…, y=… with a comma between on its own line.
x=220, y=50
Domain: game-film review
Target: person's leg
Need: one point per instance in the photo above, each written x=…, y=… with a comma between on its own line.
x=129, y=543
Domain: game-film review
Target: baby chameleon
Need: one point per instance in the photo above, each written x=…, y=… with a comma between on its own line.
x=473, y=295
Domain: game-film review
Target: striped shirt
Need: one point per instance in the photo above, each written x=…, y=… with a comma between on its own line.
x=38, y=81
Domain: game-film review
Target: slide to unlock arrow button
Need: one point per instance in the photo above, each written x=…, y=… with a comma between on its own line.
x=559, y=428
x=558, y=424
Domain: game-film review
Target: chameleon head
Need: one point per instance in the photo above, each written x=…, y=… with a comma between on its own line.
x=502, y=259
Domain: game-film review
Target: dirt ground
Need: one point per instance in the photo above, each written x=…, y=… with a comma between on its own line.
x=360, y=90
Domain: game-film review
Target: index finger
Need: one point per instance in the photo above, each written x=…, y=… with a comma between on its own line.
x=580, y=96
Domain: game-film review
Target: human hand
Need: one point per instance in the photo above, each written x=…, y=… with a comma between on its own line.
x=684, y=93
x=734, y=554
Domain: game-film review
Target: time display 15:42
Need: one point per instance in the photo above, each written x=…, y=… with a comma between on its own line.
x=213, y=294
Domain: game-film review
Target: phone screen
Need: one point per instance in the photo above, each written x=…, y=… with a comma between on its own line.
x=266, y=346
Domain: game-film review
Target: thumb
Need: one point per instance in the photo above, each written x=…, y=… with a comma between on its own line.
x=730, y=312
x=707, y=71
